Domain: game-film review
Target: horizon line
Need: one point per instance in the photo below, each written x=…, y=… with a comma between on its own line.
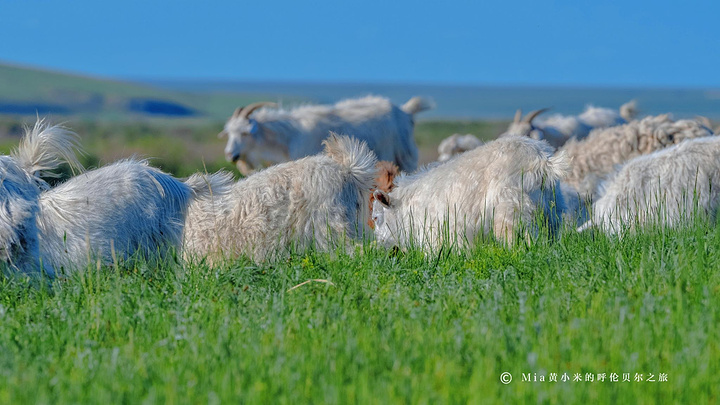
x=357, y=82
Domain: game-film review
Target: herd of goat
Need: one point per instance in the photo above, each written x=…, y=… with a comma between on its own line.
x=327, y=176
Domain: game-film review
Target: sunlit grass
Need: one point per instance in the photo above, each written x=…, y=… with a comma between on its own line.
x=399, y=327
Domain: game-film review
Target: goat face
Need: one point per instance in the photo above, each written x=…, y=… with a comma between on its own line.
x=251, y=147
x=241, y=133
x=248, y=145
x=382, y=215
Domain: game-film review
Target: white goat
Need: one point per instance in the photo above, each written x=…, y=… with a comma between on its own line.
x=316, y=200
x=558, y=129
x=495, y=187
x=271, y=136
x=43, y=148
x=594, y=157
x=665, y=188
x=456, y=144
x=112, y=213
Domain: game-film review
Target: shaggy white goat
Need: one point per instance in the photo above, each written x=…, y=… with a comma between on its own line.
x=594, y=157
x=666, y=188
x=491, y=188
x=456, y=144
x=43, y=148
x=558, y=129
x=113, y=213
x=271, y=136
x=316, y=200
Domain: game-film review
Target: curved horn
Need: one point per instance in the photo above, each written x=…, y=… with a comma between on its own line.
x=237, y=112
x=703, y=120
x=532, y=114
x=254, y=106
x=518, y=116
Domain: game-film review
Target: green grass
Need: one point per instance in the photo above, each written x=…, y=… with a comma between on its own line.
x=178, y=148
x=395, y=329
x=185, y=147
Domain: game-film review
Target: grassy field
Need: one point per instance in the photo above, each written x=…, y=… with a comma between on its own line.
x=183, y=147
x=387, y=328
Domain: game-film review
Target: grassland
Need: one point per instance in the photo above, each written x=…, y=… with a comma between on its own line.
x=388, y=329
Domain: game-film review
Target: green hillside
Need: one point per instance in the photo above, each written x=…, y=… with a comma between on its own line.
x=27, y=91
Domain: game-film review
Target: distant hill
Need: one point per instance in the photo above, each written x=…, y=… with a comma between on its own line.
x=29, y=91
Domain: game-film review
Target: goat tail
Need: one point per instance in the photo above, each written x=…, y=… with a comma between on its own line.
x=556, y=167
x=44, y=147
x=206, y=185
x=629, y=110
x=354, y=156
x=417, y=104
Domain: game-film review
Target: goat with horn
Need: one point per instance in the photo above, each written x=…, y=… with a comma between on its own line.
x=262, y=135
x=557, y=129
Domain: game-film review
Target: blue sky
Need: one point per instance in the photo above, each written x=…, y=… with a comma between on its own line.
x=601, y=43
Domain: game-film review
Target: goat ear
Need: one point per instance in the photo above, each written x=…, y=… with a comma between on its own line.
x=382, y=198
x=222, y=134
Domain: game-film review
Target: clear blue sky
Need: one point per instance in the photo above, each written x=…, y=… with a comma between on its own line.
x=636, y=43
